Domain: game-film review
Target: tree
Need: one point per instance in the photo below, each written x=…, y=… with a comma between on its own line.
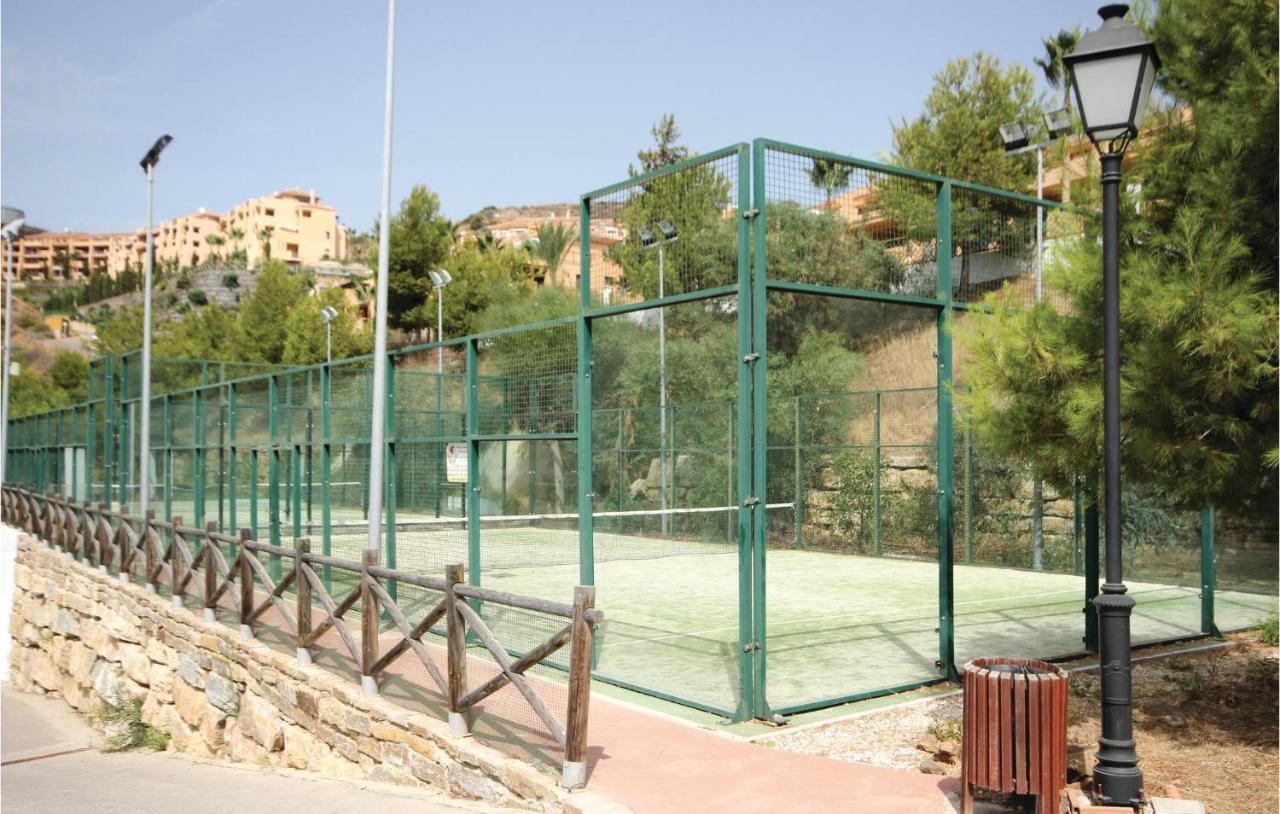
x=120, y=332
x=666, y=149
x=1198, y=256
x=421, y=239
x=957, y=135
x=262, y=319
x=264, y=238
x=305, y=341
x=829, y=176
x=552, y=242
x=1052, y=64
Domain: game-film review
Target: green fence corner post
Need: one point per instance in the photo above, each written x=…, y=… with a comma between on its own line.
x=1091, y=565
x=877, y=464
x=473, y=463
x=168, y=456
x=232, y=461
x=946, y=462
x=389, y=473
x=584, y=398
x=753, y=292
x=90, y=448
x=1208, y=572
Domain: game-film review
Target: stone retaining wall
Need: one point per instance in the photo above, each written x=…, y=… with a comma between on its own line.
x=96, y=640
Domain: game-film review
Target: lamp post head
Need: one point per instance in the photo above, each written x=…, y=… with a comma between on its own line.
x=153, y=155
x=647, y=237
x=1057, y=123
x=1113, y=69
x=1014, y=136
x=439, y=278
x=12, y=229
x=328, y=314
x=668, y=230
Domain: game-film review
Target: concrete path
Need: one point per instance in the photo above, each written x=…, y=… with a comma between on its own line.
x=49, y=768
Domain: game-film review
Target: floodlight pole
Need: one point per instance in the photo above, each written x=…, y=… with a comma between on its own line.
x=328, y=342
x=439, y=330
x=662, y=392
x=377, y=435
x=144, y=440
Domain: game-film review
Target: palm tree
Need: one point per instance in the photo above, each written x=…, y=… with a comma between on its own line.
x=829, y=176
x=552, y=242
x=264, y=237
x=1059, y=78
x=486, y=242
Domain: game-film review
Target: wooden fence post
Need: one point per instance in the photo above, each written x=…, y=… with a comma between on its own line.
x=175, y=562
x=368, y=624
x=456, y=628
x=101, y=552
x=210, y=577
x=301, y=548
x=148, y=551
x=246, y=586
x=87, y=529
x=575, y=747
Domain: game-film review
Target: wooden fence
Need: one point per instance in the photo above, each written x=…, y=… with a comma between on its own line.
x=189, y=562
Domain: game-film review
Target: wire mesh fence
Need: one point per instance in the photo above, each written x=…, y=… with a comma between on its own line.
x=747, y=440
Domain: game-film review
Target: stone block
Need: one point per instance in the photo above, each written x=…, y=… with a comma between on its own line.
x=136, y=664
x=66, y=623
x=213, y=729
x=261, y=722
x=222, y=693
x=466, y=782
x=190, y=703
x=106, y=680
x=158, y=653
x=160, y=679
x=43, y=671
x=190, y=671
x=80, y=661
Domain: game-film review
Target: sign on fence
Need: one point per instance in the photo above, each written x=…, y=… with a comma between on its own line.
x=455, y=463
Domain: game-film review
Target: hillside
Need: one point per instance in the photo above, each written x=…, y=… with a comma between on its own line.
x=497, y=214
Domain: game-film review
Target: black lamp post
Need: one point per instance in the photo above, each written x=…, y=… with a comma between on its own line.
x=1113, y=70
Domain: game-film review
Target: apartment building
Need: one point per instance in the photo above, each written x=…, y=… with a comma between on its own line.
x=291, y=225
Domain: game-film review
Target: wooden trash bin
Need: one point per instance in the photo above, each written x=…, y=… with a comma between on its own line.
x=1015, y=730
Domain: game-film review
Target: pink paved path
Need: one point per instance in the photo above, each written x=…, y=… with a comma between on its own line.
x=651, y=764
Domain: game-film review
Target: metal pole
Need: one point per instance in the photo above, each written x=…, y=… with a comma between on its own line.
x=378, y=401
x=144, y=441
x=1117, y=778
x=1037, y=485
x=439, y=331
x=662, y=393
x=328, y=342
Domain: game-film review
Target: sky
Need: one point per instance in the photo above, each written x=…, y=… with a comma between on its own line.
x=496, y=103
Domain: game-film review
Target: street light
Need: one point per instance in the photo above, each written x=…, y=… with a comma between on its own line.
x=439, y=279
x=9, y=232
x=1113, y=70
x=667, y=233
x=148, y=164
x=328, y=314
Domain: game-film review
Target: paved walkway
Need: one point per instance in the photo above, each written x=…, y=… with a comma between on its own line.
x=49, y=768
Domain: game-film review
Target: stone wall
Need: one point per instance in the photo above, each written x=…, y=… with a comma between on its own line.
x=94, y=640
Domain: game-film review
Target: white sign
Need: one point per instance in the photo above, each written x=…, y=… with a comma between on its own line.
x=455, y=463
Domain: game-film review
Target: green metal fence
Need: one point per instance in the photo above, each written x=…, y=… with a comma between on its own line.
x=746, y=438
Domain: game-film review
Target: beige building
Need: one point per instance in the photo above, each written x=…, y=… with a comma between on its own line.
x=291, y=225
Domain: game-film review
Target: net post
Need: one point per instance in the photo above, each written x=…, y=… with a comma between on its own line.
x=877, y=464
x=574, y=773
x=945, y=431
x=456, y=633
x=1208, y=572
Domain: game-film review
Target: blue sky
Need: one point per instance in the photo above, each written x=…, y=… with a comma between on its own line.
x=496, y=103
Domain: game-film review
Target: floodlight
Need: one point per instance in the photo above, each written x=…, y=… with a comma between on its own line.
x=1014, y=136
x=153, y=155
x=1057, y=122
x=440, y=278
x=668, y=230
x=328, y=314
x=12, y=228
x=647, y=237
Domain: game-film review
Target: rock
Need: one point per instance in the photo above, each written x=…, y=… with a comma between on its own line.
x=190, y=703
x=189, y=671
x=213, y=729
x=222, y=693
x=929, y=743
x=931, y=766
x=259, y=721
x=136, y=664
x=105, y=679
x=66, y=623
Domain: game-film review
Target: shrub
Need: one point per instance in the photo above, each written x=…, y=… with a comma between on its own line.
x=231, y=281
x=1269, y=630
x=122, y=723
x=198, y=297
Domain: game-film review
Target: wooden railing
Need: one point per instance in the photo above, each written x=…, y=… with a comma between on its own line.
x=189, y=562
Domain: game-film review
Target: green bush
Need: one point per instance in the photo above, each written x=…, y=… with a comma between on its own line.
x=1269, y=630
x=121, y=720
x=231, y=281
x=198, y=297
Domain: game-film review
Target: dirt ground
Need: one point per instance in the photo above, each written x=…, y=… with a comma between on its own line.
x=1205, y=724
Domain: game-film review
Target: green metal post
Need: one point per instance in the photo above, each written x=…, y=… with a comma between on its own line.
x=876, y=465
x=440, y=445
x=126, y=457
x=168, y=456
x=584, y=397
x=233, y=464
x=273, y=472
x=1091, y=567
x=1208, y=572
x=946, y=418
x=197, y=407
x=753, y=299
x=254, y=476
x=1077, y=530
x=326, y=463
x=90, y=449
x=473, y=464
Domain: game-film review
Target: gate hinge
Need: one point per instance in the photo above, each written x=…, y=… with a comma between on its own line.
x=751, y=358
x=748, y=214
